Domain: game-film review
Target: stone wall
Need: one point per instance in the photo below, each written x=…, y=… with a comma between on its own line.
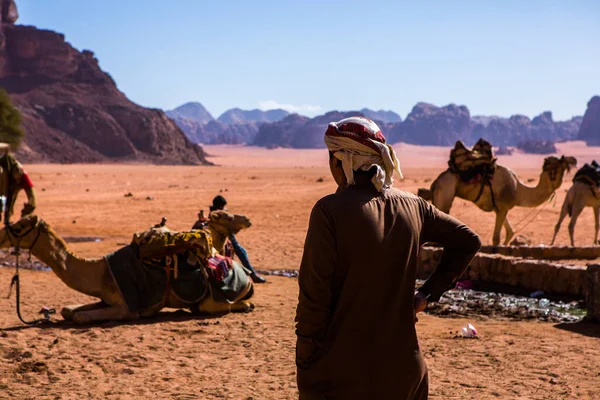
x=514, y=271
x=546, y=252
x=593, y=292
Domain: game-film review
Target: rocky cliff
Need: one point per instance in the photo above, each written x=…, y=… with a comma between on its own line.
x=193, y=111
x=590, y=126
x=238, y=116
x=72, y=110
x=429, y=125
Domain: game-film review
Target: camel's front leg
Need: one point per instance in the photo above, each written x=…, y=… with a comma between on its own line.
x=69, y=311
x=563, y=213
x=109, y=313
x=597, y=224
x=500, y=218
x=509, y=231
x=576, y=210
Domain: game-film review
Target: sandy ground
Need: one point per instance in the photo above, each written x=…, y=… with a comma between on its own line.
x=252, y=355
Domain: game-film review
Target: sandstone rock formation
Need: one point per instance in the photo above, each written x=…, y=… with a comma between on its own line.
x=537, y=147
x=590, y=126
x=193, y=111
x=72, y=110
x=300, y=132
x=436, y=126
x=388, y=117
x=431, y=125
x=238, y=116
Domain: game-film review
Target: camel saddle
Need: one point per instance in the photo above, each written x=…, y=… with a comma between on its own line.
x=160, y=261
x=589, y=173
x=472, y=164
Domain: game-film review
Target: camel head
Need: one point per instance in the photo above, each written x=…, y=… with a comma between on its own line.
x=556, y=167
x=227, y=223
x=26, y=231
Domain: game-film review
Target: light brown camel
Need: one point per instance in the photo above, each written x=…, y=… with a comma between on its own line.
x=93, y=277
x=506, y=192
x=579, y=196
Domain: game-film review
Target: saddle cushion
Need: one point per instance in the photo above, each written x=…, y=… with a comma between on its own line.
x=589, y=173
x=472, y=164
x=143, y=283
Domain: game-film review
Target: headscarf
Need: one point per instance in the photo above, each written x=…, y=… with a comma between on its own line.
x=360, y=145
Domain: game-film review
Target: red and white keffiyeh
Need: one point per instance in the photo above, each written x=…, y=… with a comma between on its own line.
x=360, y=145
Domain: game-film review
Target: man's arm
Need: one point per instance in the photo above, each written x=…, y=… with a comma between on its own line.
x=316, y=271
x=460, y=245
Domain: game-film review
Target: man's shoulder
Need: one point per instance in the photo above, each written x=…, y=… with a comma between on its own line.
x=394, y=193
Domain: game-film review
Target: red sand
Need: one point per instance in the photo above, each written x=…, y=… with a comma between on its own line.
x=252, y=355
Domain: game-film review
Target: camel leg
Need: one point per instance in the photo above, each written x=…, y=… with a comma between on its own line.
x=597, y=224
x=69, y=311
x=563, y=213
x=109, y=313
x=577, y=209
x=509, y=231
x=241, y=304
x=500, y=218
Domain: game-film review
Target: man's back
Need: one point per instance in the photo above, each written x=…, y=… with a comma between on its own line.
x=356, y=329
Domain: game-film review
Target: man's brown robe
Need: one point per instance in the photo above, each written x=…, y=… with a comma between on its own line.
x=355, y=317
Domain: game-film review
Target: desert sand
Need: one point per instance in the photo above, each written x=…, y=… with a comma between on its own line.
x=251, y=356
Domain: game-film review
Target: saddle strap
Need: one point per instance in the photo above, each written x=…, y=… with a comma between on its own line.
x=486, y=181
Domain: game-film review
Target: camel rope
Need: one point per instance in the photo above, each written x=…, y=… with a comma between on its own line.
x=15, y=281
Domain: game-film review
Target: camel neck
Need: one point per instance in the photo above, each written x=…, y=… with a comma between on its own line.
x=218, y=239
x=81, y=274
x=528, y=196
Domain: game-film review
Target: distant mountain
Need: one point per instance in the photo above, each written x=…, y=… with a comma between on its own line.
x=300, y=132
x=426, y=124
x=429, y=125
x=389, y=117
x=239, y=116
x=433, y=126
x=192, y=110
x=216, y=132
x=590, y=126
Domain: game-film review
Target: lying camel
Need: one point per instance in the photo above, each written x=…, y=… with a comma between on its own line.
x=579, y=196
x=93, y=277
x=506, y=191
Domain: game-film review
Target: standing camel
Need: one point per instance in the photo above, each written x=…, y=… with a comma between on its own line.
x=504, y=192
x=94, y=278
x=579, y=196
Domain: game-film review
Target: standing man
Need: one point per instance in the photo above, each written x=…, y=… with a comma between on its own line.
x=219, y=203
x=14, y=178
x=357, y=305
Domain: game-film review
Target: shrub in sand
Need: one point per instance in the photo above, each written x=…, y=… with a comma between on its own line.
x=10, y=122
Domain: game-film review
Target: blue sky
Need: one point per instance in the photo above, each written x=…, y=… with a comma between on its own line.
x=496, y=57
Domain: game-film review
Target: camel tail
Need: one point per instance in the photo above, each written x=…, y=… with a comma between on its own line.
x=425, y=194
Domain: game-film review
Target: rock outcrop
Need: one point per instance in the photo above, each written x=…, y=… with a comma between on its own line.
x=388, y=117
x=430, y=125
x=436, y=126
x=590, y=126
x=72, y=110
x=193, y=111
x=239, y=116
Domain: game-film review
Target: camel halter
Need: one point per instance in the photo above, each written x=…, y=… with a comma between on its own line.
x=15, y=279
